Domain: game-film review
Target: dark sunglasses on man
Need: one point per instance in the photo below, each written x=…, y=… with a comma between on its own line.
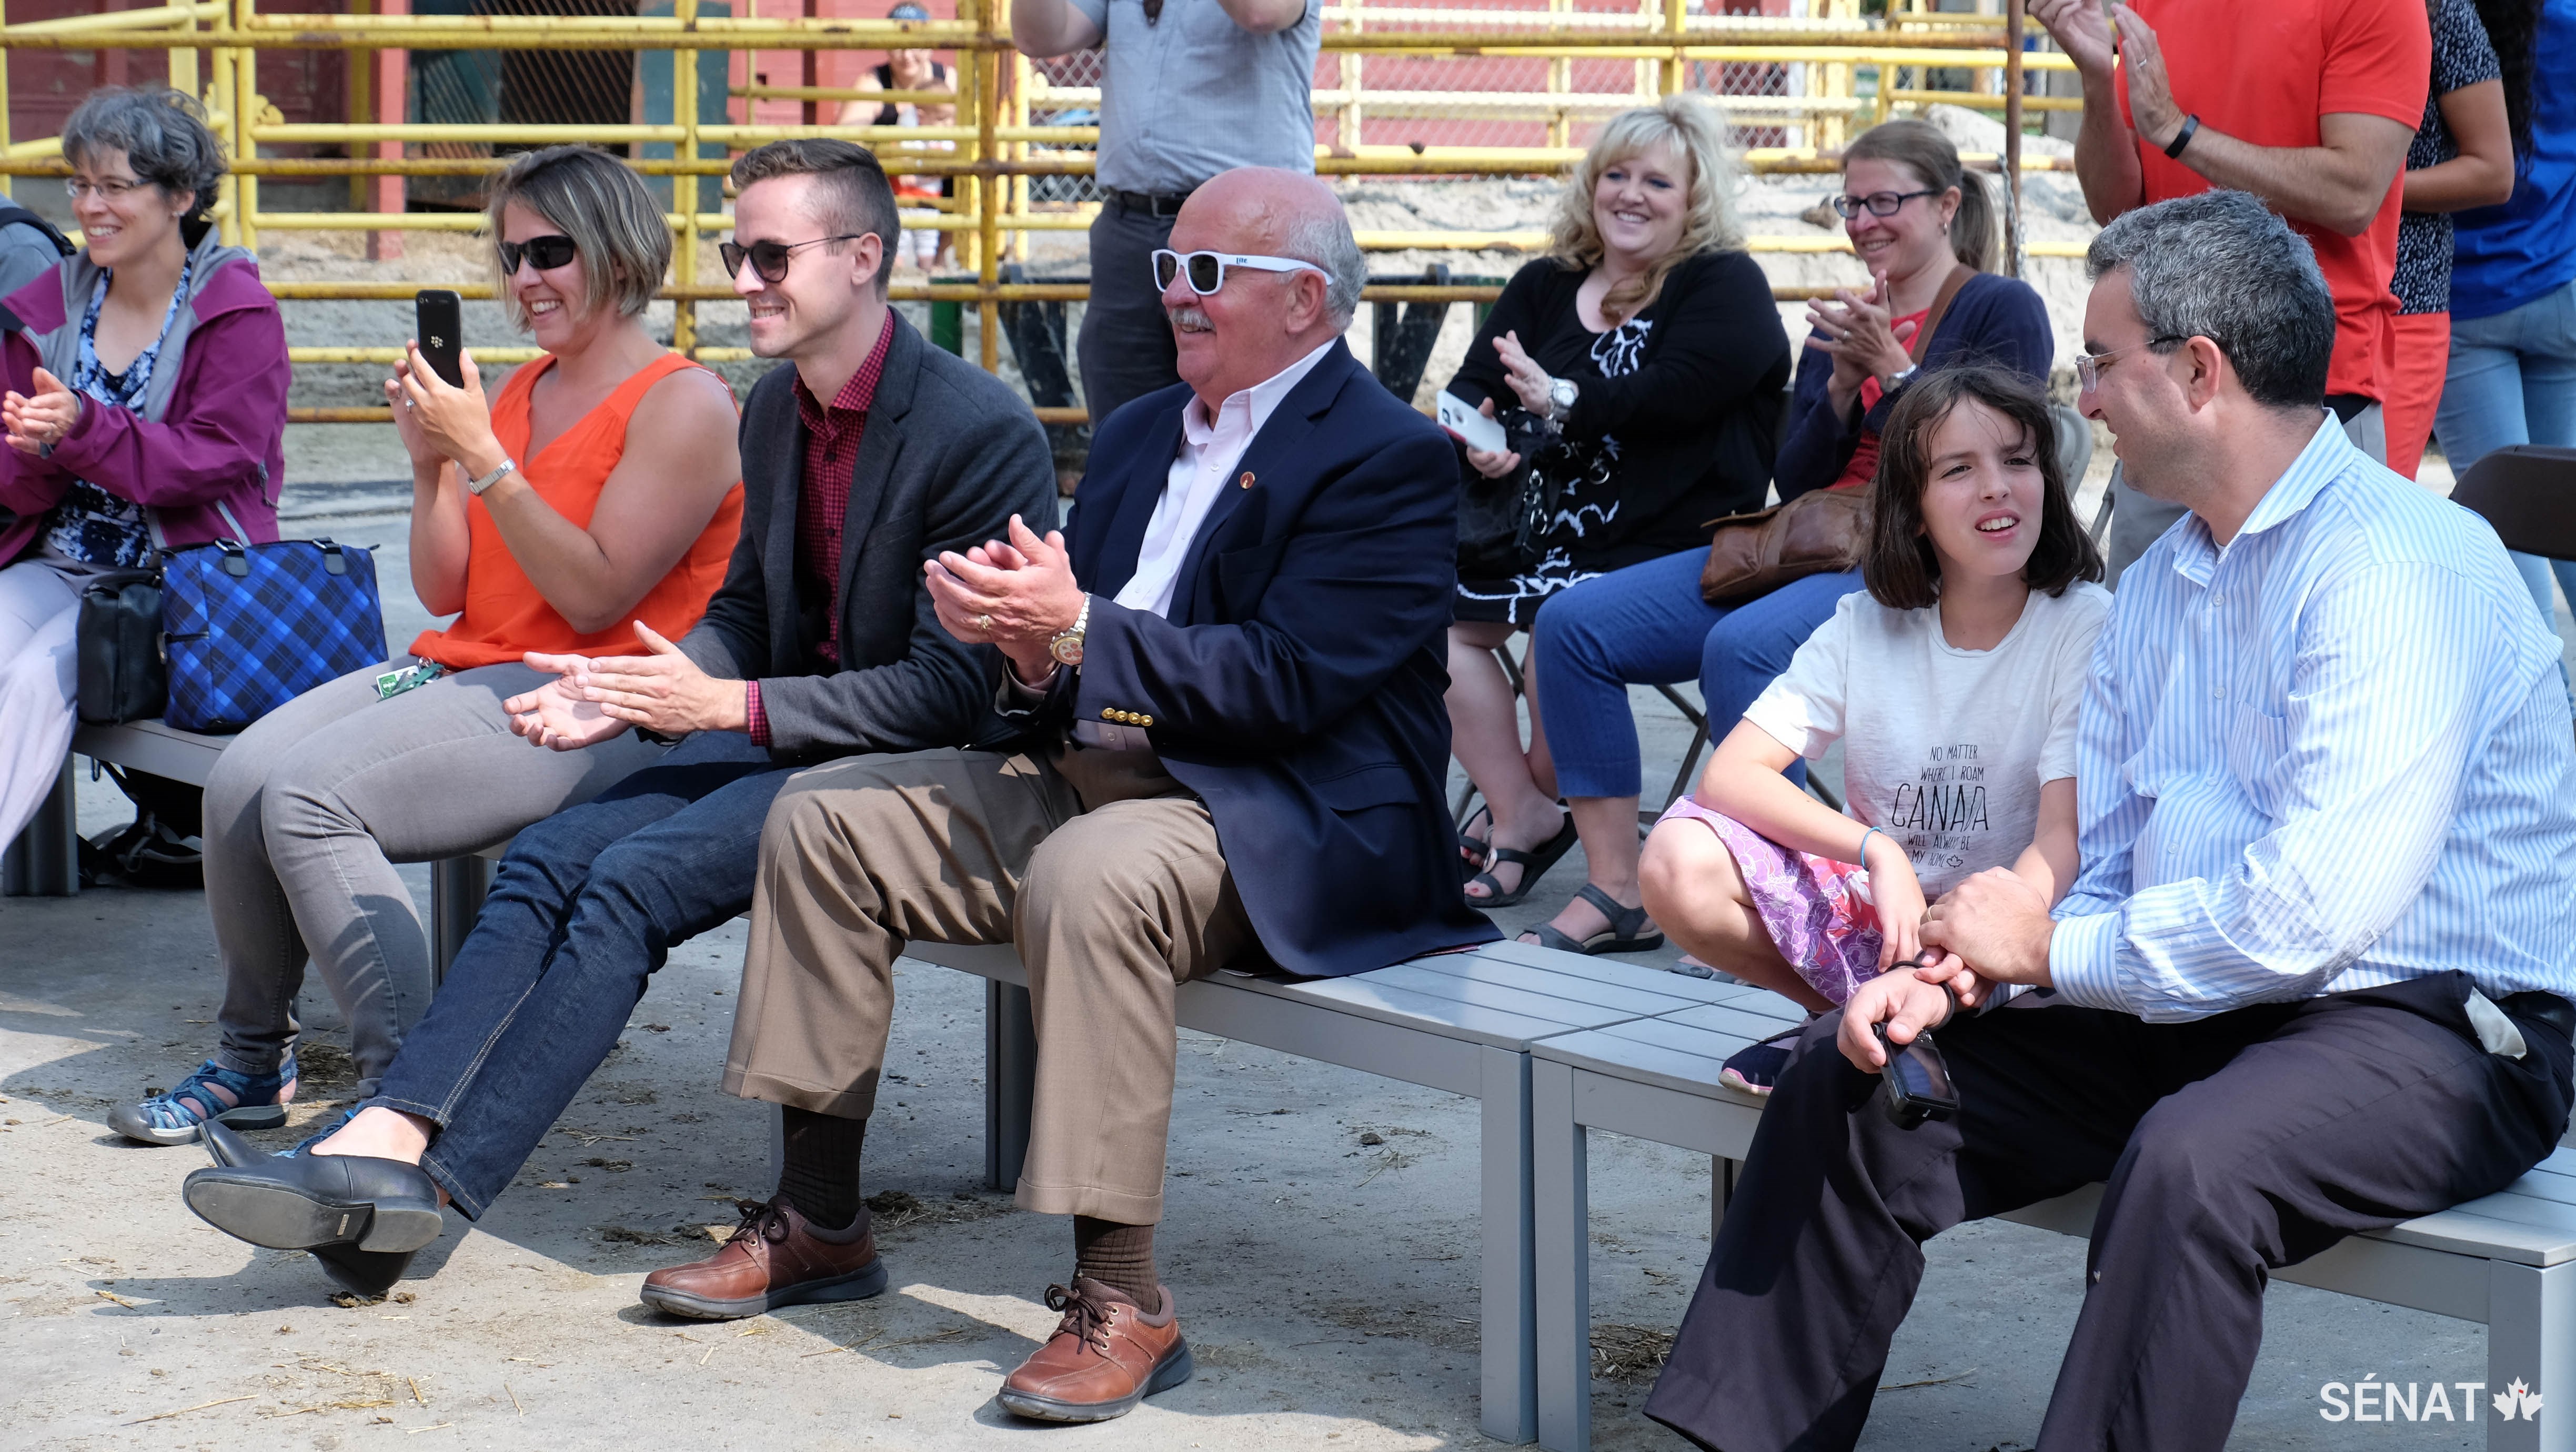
x=543, y=253
x=769, y=259
x=1205, y=271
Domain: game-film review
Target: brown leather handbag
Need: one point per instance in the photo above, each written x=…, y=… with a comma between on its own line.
x=1819, y=532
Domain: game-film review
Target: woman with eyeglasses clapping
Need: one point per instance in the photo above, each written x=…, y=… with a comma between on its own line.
x=145, y=406
x=595, y=500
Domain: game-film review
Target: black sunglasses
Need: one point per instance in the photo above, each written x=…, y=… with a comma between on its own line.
x=769, y=259
x=544, y=253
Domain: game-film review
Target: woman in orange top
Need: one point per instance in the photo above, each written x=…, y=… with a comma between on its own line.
x=603, y=488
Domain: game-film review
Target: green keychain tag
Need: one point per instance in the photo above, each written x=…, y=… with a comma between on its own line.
x=393, y=683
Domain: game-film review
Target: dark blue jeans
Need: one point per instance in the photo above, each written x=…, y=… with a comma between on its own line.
x=584, y=909
x=1647, y=625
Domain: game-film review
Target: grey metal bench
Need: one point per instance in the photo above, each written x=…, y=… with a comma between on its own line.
x=2508, y=1260
x=1459, y=1022
x=45, y=860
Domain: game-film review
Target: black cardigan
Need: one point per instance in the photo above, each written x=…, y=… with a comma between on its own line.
x=1697, y=422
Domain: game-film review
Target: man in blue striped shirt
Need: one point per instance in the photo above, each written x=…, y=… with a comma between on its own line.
x=2313, y=977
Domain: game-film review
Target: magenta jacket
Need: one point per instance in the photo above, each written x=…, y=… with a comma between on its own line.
x=210, y=439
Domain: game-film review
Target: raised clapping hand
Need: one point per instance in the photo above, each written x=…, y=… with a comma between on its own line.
x=1859, y=330
x=2152, y=112
x=1018, y=596
x=2079, y=30
x=1492, y=463
x=555, y=715
x=37, y=424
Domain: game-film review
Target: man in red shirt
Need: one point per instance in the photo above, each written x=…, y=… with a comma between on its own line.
x=2308, y=104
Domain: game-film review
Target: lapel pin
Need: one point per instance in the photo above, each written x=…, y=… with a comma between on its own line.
x=1246, y=481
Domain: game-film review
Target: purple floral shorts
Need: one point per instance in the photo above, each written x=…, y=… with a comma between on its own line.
x=1817, y=910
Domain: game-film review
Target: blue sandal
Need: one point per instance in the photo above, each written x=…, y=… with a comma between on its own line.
x=178, y=1115
x=1756, y=1068
x=322, y=1131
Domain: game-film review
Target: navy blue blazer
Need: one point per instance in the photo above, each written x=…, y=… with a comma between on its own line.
x=1296, y=686
x=1994, y=319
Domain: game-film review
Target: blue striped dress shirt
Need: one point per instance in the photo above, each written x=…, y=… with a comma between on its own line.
x=2333, y=755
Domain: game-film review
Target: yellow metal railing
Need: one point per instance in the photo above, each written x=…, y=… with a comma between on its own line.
x=994, y=151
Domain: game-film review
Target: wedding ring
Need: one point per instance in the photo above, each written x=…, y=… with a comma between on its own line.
x=984, y=622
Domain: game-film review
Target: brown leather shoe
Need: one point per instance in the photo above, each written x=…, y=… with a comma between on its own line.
x=1106, y=1356
x=773, y=1260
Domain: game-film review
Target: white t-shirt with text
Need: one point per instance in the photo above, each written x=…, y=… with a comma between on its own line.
x=1944, y=749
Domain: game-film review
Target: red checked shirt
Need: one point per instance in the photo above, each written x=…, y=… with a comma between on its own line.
x=823, y=496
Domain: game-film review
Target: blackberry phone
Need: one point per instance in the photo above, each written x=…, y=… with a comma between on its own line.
x=439, y=314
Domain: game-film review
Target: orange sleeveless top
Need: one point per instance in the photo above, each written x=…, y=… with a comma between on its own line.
x=504, y=616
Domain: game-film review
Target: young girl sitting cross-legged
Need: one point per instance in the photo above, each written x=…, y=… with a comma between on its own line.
x=1953, y=684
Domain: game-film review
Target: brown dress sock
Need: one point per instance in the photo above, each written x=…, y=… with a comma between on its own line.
x=1118, y=1256
x=821, y=1175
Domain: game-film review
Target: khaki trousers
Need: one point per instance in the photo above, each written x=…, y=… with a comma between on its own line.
x=1115, y=894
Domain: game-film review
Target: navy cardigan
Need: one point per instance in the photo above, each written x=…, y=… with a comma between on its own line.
x=1994, y=319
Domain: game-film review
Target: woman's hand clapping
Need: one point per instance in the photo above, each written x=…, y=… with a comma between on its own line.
x=1859, y=330
x=36, y=424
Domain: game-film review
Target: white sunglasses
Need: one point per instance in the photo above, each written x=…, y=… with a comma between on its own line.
x=1205, y=271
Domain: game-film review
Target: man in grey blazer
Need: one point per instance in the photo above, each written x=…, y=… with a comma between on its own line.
x=871, y=455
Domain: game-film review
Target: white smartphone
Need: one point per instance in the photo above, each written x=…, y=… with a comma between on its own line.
x=1465, y=422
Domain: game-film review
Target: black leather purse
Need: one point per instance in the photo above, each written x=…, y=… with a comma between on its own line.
x=1497, y=518
x=122, y=675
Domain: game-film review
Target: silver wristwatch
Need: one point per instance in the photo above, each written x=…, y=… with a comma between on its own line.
x=1561, y=394
x=477, y=486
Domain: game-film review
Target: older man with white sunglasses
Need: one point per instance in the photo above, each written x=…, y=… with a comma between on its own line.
x=1231, y=747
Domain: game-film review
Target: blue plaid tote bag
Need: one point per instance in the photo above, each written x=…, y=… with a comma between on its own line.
x=249, y=628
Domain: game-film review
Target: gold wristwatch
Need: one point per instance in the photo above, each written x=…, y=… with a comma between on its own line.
x=1066, y=647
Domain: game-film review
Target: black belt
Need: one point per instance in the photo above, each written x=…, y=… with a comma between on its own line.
x=1152, y=204
x=2541, y=1007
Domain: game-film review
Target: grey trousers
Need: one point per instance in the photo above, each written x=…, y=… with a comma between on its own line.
x=1125, y=347
x=2137, y=520
x=308, y=811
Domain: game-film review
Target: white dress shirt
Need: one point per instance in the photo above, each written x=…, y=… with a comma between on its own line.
x=1204, y=467
x=1200, y=472
x=2329, y=756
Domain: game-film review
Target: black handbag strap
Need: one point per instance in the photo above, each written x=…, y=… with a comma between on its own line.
x=1960, y=272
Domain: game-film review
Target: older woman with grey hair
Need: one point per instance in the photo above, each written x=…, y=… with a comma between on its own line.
x=145, y=405
x=589, y=510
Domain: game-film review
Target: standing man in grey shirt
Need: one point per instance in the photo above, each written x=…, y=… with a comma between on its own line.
x=1189, y=88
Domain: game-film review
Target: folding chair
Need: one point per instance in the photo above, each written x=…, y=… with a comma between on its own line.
x=2528, y=494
